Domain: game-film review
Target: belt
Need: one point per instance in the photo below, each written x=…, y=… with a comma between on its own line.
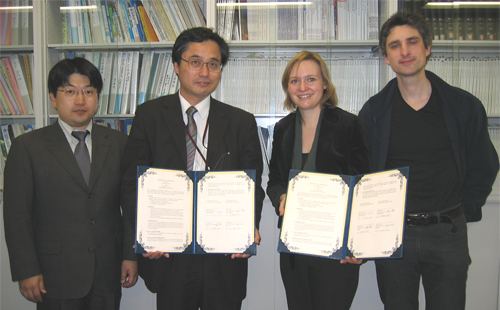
x=425, y=219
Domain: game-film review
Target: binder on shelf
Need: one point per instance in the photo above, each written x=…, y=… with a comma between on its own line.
x=136, y=65
x=138, y=20
x=26, y=24
x=20, y=76
x=6, y=82
x=15, y=26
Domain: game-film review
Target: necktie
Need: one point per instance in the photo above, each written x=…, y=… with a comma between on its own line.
x=190, y=147
x=82, y=154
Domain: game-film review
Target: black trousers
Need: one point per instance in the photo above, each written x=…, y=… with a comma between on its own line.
x=316, y=283
x=195, y=282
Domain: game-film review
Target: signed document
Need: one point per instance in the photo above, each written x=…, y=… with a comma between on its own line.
x=335, y=216
x=195, y=212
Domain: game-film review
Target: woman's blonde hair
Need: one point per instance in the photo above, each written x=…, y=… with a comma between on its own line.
x=330, y=94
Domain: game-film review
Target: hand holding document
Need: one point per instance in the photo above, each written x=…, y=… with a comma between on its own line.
x=335, y=216
x=195, y=212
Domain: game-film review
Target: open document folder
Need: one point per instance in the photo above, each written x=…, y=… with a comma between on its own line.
x=335, y=216
x=195, y=212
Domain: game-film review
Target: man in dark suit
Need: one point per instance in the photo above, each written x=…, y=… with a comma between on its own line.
x=226, y=139
x=69, y=246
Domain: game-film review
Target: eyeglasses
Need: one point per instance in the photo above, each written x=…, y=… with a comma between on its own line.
x=71, y=93
x=196, y=64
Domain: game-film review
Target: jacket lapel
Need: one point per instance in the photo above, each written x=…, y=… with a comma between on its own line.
x=57, y=144
x=218, y=122
x=100, y=149
x=175, y=124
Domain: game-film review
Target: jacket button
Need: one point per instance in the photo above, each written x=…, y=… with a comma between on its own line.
x=91, y=250
x=92, y=222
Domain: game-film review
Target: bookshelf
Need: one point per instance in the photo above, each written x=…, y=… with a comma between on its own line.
x=351, y=51
x=48, y=43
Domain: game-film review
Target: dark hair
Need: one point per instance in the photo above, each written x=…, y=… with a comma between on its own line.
x=411, y=19
x=60, y=73
x=329, y=96
x=198, y=34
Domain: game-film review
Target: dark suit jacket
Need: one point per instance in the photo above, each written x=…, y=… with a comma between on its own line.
x=342, y=149
x=157, y=139
x=56, y=225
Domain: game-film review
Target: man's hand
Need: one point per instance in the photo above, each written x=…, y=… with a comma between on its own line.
x=351, y=260
x=32, y=288
x=257, y=241
x=282, y=204
x=155, y=255
x=129, y=273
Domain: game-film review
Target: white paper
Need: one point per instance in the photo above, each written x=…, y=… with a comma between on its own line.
x=225, y=212
x=164, y=210
x=315, y=214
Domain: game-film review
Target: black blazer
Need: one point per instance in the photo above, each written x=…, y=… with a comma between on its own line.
x=56, y=225
x=157, y=139
x=342, y=149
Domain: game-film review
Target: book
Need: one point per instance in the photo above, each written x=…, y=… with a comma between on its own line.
x=95, y=22
x=144, y=76
x=15, y=18
x=133, y=93
x=5, y=80
x=6, y=137
x=107, y=75
x=5, y=101
x=152, y=74
x=26, y=24
x=172, y=17
x=132, y=17
x=27, y=70
x=20, y=76
x=114, y=84
x=127, y=125
x=334, y=216
x=125, y=90
x=108, y=12
x=138, y=20
x=155, y=21
x=121, y=8
x=122, y=67
x=195, y=212
x=149, y=31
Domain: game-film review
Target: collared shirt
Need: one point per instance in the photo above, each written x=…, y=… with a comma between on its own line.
x=201, y=120
x=67, y=129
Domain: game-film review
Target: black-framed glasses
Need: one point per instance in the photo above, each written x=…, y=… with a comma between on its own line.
x=71, y=93
x=196, y=64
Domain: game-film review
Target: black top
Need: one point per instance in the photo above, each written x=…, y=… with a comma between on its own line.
x=420, y=140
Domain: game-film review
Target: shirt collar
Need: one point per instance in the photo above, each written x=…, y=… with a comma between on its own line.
x=203, y=106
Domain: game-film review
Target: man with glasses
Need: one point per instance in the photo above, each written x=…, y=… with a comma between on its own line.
x=168, y=133
x=69, y=246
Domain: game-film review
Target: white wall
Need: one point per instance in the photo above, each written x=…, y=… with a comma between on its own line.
x=265, y=289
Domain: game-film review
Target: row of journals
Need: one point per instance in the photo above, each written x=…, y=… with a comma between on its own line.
x=113, y=21
x=148, y=75
x=16, y=90
x=254, y=84
x=355, y=79
x=16, y=23
x=130, y=78
x=298, y=20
